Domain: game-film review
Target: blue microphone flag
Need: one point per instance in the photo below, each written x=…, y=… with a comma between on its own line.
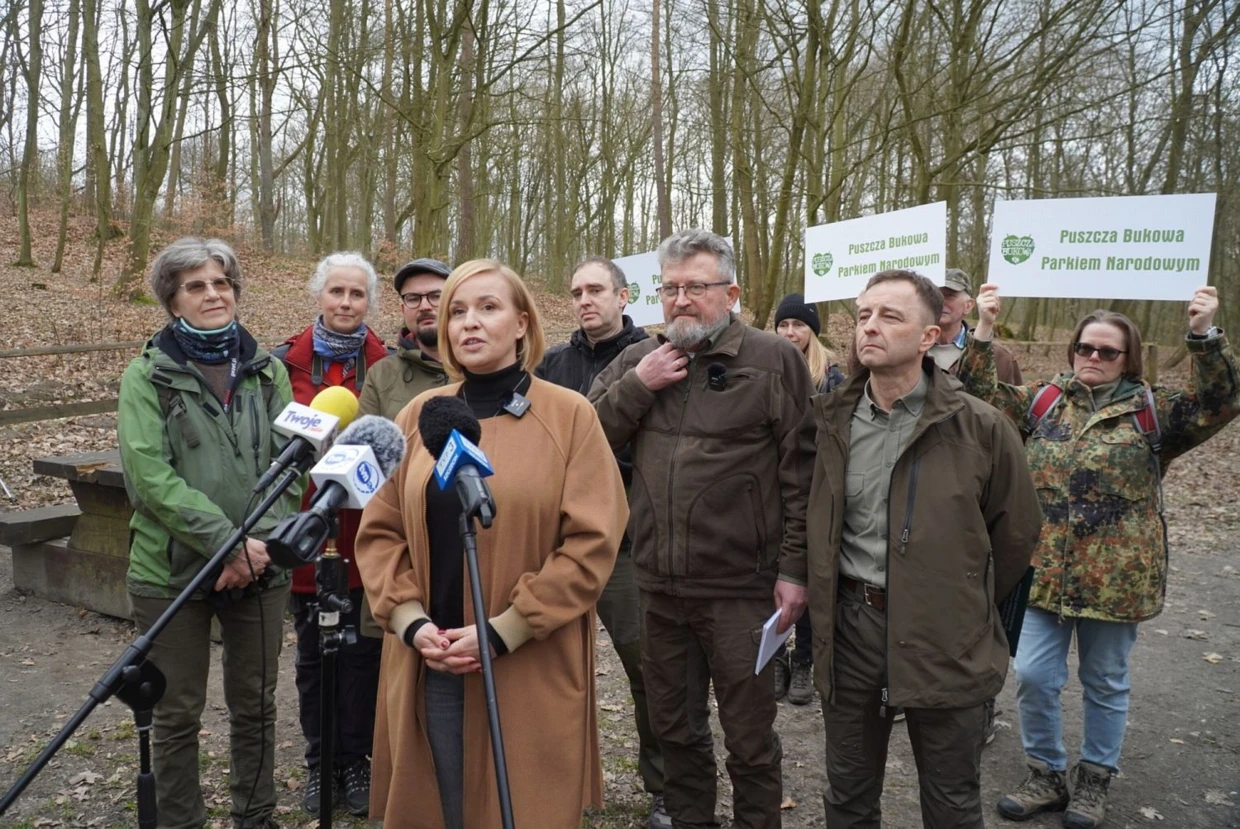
x=459, y=452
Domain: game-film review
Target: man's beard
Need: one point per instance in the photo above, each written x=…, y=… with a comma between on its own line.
x=428, y=337
x=687, y=333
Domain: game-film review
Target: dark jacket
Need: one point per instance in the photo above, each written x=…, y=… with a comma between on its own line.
x=720, y=477
x=964, y=520
x=576, y=363
x=189, y=470
x=298, y=359
x=395, y=380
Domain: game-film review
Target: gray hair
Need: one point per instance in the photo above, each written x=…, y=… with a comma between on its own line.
x=186, y=254
x=684, y=244
x=618, y=280
x=345, y=259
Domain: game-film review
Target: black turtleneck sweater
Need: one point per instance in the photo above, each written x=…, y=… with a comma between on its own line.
x=486, y=395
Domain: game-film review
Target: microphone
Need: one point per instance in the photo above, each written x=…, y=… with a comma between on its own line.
x=310, y=429
x=716, y=376
x=362, y=459
x=450, y=433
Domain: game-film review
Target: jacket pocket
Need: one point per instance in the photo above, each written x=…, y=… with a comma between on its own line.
x=726, y=529
x=183, y=564
x=641, y=530
x=1125, y=465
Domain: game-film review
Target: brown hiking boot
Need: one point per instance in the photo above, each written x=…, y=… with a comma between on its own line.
x=1089, y=796
x=1043, y=791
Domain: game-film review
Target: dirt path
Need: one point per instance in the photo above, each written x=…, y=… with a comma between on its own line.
x=1181, y=765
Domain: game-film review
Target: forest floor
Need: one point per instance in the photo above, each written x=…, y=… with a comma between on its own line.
x=1181, y=765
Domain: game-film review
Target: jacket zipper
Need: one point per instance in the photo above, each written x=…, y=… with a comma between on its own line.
x=908, y=523
x=671, y=478
x=258, y=421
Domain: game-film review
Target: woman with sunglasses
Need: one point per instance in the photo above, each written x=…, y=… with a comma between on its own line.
x=1101, y=562
x=194, y=429
x=337, y=349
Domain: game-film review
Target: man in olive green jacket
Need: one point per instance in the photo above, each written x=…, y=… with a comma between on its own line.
x=922, y=517
x=398, y=378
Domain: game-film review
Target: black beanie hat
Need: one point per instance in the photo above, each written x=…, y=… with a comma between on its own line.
x=794, y=307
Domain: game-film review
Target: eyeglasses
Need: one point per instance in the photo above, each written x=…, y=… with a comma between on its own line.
x=694, y=290
x=197, y=287
x=1106, y=355
x=414, y=300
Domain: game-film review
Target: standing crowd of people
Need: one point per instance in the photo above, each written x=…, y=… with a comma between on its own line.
x=683, y=489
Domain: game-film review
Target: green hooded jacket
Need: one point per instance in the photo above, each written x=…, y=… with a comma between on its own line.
x=1103, y=549
x=189, y=470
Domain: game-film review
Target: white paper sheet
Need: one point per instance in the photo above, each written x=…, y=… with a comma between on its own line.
x=770, y=641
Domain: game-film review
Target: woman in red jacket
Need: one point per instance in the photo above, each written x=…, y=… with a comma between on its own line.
x=336, y=350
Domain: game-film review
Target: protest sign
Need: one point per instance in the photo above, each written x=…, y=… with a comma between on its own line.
x=842, y=256
x=645, y=276
x=1122, y=247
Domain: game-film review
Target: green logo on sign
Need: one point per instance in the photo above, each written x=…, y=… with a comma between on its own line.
x=1016, y=249
x=635, y=292
x=821, y=263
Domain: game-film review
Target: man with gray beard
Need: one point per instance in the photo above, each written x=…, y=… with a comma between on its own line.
x=718, y=417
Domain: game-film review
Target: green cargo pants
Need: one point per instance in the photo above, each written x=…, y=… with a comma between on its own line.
x=251, y=657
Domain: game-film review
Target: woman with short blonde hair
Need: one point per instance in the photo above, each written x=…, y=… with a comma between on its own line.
x=560, y=516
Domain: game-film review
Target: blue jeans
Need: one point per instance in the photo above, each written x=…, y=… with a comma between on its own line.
x=1042, y=671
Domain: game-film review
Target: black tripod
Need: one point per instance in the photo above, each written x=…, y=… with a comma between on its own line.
x=332, y=582
x=138, y=683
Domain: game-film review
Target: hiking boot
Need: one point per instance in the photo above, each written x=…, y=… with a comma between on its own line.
x=313, y=796
x=992, y=728
x=659, y=818
x=801, y=688
x=782, y=677
x=355, y=780
x=1089, y=796
x=1044, y=790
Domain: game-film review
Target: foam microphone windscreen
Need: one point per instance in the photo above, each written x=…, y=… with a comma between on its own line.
x=439, y=416
x=338, y=401
x=383, y=437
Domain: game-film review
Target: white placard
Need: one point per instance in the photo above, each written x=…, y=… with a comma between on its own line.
x=645, y=276
x=841, y=257
x=1123, y=247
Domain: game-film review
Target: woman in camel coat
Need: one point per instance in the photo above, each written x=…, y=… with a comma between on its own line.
x=560, y=515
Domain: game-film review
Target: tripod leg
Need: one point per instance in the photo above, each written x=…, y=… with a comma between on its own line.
x=147, y=810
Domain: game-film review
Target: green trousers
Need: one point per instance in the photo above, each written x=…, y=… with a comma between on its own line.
x=252, y=629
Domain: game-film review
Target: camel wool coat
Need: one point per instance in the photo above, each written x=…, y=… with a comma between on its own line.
x=560, y=515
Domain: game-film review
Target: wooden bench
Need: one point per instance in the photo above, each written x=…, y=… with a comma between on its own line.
x=87, y=569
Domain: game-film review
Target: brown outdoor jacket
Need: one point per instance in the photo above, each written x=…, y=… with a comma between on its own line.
x=720, y=477
x=964, y=519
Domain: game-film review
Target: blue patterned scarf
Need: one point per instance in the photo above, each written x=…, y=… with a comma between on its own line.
x=336, y=347
x=211, y=347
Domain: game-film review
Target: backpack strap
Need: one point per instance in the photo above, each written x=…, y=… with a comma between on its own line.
x=1146, y=419
x=1047, y=398
x=171, y=406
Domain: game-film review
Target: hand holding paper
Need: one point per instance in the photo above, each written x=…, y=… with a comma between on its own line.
x=988, y=307
x=1201, y=310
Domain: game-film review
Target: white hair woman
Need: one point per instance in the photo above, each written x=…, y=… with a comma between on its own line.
x=335, y=350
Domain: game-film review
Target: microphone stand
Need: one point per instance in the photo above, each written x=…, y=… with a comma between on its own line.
x=139, y=683
x=476, y=504
x=331, y=579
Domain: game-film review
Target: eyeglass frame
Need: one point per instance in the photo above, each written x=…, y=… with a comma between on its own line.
x=693, y=290
x=434, y=303
x=1087, y=351
x=221, y=284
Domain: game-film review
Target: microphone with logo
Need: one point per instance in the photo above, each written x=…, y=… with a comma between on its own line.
x=310, y=430
x=350, y=473
x=450, y=432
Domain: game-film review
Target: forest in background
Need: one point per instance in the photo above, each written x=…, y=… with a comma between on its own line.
x=541, y=133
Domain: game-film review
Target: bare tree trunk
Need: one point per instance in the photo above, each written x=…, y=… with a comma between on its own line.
x=267, y=62
x=64, y=152
x=30, y=151
x=664, y=207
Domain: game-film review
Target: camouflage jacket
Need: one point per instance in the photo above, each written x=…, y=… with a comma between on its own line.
x=1103, y=549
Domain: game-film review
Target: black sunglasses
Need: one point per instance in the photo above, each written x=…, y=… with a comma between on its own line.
x=1106, y=354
